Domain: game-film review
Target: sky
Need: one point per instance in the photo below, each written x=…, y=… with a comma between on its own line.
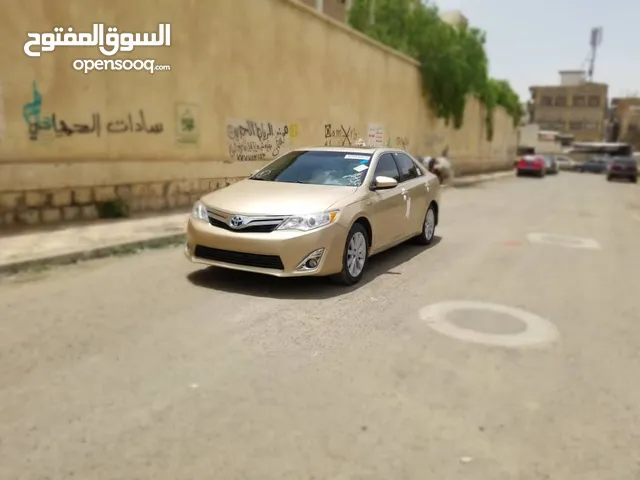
x=528, y=42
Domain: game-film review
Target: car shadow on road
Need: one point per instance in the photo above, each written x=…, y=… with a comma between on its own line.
x=253, y=284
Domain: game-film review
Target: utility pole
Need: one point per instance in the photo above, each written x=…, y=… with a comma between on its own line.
x=594, y=42
x=372, y=12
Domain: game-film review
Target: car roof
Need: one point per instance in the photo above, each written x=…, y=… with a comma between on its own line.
x=363, y=150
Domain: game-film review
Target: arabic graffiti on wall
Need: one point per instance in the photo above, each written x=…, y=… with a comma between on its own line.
x=53, y=124
x=339, y=135
x=250, y=140
x=187, y=118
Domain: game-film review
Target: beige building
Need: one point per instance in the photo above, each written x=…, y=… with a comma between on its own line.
x=455, y=18
x=575, y=107
x=336, y=9
x=626, y=113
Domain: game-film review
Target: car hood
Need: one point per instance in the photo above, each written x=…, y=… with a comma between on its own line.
x=251, y=197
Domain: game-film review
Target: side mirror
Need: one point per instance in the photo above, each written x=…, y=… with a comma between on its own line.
x=384, y=183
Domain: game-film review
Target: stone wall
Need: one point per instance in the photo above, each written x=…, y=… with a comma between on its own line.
x=256, y=78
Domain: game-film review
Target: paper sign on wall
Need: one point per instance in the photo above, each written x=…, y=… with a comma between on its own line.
x=375, y=137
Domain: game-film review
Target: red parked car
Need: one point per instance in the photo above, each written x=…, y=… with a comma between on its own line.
x=531, y=165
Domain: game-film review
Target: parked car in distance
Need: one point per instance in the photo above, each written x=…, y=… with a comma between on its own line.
x=531, y=165
x=593, y=165
x=566, y=163
x=551, y=164
x=316, y=212
x=623, y=168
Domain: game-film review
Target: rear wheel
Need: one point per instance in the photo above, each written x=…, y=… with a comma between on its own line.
x=355, y=256
x=609, y=178
x=634, y=179
x=428, y=227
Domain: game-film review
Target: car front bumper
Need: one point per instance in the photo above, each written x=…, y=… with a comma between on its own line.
x=278, y=253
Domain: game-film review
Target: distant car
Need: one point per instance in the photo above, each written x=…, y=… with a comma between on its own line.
x=566, y=163
x=531, y=165
x=593, y=165
x=551, y=164
x=623, y=168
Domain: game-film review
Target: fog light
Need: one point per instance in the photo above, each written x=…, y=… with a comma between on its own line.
x=311, y=261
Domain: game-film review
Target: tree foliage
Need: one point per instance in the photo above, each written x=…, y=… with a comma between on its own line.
x=453, y=60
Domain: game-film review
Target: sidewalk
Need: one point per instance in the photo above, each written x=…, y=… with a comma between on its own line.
x=70, y=244
x=74, y=243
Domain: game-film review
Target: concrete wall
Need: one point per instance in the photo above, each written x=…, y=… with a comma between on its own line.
x=300, y=77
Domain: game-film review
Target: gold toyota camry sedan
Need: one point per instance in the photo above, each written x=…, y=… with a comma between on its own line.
x=316, y=211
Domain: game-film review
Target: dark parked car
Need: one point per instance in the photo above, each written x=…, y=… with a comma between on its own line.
x=531, y=165
x=593, y=165
x=623, y=168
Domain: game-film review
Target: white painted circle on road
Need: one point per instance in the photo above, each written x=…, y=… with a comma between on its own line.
x=538, y=331
x=564, y=241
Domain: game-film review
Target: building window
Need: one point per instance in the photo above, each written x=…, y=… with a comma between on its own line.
x=553, y=125
x=561, y=102
x=579, y=101
x=546, y=101
x=594, y=101
x=576, y=125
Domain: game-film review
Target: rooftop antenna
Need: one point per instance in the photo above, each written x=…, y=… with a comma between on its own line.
x=594, y=43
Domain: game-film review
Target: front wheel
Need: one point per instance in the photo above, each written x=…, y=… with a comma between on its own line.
x=355, y=256
x=428, y=227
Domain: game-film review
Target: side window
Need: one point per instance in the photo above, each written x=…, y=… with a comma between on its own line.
x=408, y=168
x=387, y=167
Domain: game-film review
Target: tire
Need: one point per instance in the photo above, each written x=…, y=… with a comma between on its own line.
x=634, y=179
x=428, y=227
x=518, y=173
x=541, y=174
x=609, y=178
x=356, y=235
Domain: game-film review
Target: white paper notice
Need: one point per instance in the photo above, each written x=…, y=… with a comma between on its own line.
x=2, y=122
x=376, y=135
x=361, y=168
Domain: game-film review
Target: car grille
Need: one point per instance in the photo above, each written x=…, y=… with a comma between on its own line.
x=273, y=262
x=254, y=224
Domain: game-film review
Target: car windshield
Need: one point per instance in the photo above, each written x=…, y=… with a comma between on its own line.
x=625, y=161
x=317, y=167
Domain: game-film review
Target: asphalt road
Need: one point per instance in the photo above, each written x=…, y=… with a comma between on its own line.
x=147, y=367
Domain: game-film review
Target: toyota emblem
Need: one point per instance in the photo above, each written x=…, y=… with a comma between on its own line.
x=236, y=221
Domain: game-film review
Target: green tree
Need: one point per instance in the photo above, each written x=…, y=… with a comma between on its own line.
x=453, y=61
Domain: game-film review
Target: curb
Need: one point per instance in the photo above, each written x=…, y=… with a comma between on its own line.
x=470, y=180
x=94, y=253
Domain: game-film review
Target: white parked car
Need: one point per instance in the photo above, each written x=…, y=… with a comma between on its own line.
x=566, y=163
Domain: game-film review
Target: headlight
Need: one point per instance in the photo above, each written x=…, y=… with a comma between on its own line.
x=309, y=222
x=199, y=212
